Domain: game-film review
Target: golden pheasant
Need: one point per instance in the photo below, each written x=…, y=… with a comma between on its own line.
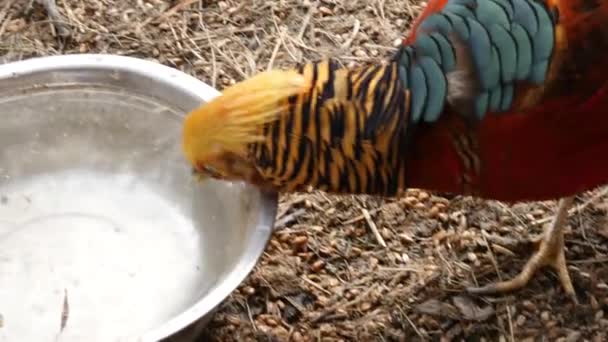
x=500, y=99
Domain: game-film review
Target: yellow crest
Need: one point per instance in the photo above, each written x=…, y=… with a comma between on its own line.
x=234, y=119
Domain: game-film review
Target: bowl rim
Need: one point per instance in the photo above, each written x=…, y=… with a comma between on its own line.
x=195, y=88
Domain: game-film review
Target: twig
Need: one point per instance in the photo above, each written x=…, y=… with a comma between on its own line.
x=275, y=51
x=3, y=15
x=589, y=261
x=373, y=228
x=510, y=317
x=306, y=21
x=315, y=285
x=250, y=316
x=495, y=264
x=280, y=33
x=65, y=311
x=371, y=212
x=574, y=210
x=355, y=301
x=407, y=318
x=213, y=59
x=492, y=257
x=280, y=224
x=285, y=207
x=181, y=4
x=350, y=39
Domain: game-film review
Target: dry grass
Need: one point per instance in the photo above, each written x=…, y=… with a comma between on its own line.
x=327, y=275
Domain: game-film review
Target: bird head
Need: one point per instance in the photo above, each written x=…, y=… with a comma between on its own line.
x=217, y=136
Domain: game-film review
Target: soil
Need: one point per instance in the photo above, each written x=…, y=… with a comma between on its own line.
x=326, y=276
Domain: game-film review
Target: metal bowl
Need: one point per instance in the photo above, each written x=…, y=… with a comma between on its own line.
x=104, y=234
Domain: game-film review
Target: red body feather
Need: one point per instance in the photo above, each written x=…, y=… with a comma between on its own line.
x=553, y=143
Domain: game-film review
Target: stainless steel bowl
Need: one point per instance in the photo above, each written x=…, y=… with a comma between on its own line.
x=104, y=234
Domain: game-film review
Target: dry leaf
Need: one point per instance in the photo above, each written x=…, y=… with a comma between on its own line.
x=435, y=307
x=472, y=311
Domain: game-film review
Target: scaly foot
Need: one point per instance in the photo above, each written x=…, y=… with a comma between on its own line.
x=550, y=253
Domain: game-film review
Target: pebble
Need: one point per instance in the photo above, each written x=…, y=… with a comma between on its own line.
x=406, y=238
x=599, y=315
x=528, y=305
x=317, y=266
x=297, y=337
x=365, y=306
x=544, y=316
x=410, y=201
x=248, y=290
x=420, y=206
x=595, y=305
x=434, y=212
x=300, y=240
x=472, y=256
x=573, y=336
x=423, y=196
x=325, y=11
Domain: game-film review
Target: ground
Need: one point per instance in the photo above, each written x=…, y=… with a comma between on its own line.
x=325, y=275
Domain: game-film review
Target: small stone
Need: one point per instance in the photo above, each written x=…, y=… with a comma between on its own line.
x=599, y=315
x=520, y=320
x=325, y=11
x=297, y=337
x=472, y=256
x=545, y=316
x=365, y=306
x=528, y=305
x=420, y=206
x=595, y=305
x=423, y=196
x=410, y=201
x=317, y=266
x=406, y=238
x=573, y=336
x=300, y=240
x=434, y=212
x=386, y=234
x=248, y=290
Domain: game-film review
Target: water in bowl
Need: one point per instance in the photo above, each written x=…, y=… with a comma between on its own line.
x=87, y=254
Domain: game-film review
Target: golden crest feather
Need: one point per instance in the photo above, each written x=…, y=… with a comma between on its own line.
x=234, y=119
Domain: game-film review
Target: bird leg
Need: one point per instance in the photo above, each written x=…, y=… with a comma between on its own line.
x=550, y=253
x=56, y=18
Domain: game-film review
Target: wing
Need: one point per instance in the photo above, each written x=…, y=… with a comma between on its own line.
x=476, y=55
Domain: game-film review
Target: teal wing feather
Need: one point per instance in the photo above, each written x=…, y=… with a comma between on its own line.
x=507, y=41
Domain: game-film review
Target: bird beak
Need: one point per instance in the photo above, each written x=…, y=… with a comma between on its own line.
x=199, y=176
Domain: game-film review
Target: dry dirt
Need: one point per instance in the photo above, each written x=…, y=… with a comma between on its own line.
x=325, y=276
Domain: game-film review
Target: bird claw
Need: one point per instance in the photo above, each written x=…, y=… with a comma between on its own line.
x=546, y=256
x=550, y=252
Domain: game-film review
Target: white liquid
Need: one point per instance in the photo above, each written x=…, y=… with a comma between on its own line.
x=128, y=259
